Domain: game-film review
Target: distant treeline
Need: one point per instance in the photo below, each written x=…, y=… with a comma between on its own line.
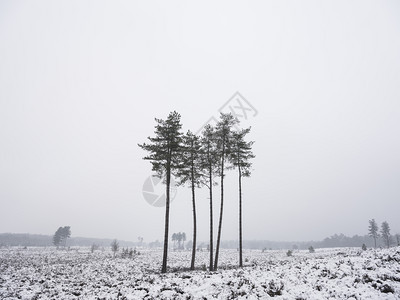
x=38, y=240
x=337, y=240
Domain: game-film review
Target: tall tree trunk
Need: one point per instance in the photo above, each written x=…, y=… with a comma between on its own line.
x=211, y=222
x=221, y=211
x=165, y=255
x=194, y=228
x=240, y=220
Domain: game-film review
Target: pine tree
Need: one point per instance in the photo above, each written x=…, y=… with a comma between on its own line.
x=57, y=237
x=209, y=165
x=385, y=232
x=190, y=172
x=114, y=247
x=183, y=240
x=240, y=156
x=223, y=133
x=61, y=235
x=373, y=230
x=65, y=233
x=174, y=239
x=164, y=154
x=179, y=239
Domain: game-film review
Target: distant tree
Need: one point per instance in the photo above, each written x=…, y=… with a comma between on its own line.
x=209, y=165
x=61, y=235
x=114, y=246
x=57, y=237
x=373, y=230
x=240, y=156
x=223, y=134
x=311, y=249
x=398, y=239
x=289, y=253
x=164, y=154
x=190, y=171
x=183, y=239
x=385, y=232
x=179, y=239
x=174, y=239
x=364, y=247
x=66, y=233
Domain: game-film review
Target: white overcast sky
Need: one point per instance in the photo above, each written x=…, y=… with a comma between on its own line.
x=82, y=81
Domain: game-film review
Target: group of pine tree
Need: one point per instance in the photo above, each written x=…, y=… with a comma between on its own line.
x=373, y=231
x=196, y=160
x=179, y=237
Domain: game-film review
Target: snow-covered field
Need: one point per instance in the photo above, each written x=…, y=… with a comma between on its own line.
x=78, y=274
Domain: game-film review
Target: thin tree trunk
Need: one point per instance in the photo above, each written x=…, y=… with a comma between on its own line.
x=194, y=227
x=211, y=223
x=220, y=213
x=240, y=220
x=210, y=180
x=165, y=255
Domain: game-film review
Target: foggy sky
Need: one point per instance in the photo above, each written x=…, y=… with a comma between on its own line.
x=82, y=81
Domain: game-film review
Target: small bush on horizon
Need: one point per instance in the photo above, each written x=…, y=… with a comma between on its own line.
x=128, y=253
x=364, y=247
x=311, y=249
x=289, y=253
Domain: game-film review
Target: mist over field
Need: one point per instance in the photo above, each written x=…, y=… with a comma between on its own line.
x=273, y=128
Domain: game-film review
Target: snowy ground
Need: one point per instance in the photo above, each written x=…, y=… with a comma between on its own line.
x=79, y=274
